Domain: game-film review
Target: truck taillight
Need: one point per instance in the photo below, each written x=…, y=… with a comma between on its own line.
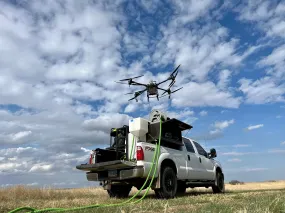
x=140, y=154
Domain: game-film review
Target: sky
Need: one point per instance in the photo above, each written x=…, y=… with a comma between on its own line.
x=59, y=60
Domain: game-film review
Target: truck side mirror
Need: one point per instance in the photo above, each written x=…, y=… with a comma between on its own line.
x=213, y=153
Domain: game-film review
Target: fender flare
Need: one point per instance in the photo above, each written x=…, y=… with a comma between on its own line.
x=162, y=160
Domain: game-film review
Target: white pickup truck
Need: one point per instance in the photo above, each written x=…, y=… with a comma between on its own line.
x=180, y=165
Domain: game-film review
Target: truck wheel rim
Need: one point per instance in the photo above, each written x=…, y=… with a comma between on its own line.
x=169, y=183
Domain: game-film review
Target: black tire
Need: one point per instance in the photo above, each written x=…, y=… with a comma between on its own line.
x=168, y=184
x=219, y=186
x=181, y=188
x=119, y=191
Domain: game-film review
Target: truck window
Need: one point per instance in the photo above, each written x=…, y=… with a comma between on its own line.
x=200, y=149
x=188, y=145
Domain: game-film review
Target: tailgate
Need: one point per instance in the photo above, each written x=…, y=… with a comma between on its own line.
x=116, y=164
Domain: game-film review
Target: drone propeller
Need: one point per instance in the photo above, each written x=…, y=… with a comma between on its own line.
x=120, y=82
x=177, y=90
x=169, y=92
x=133, y=98
x=138, y=93
x=172, y=74
x=127, y=79
x=171, y=77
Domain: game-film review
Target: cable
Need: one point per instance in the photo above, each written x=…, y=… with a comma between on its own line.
x=155, y=158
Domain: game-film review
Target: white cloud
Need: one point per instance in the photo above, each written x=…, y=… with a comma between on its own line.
x=235, y=160
x=276, y=60
x=217, y=132
x=131, y=108
x=241, y=145
x=276, y=151
x=191, y=10
x=211, y=135
x=106, y=122
x=223, y=124
x=282, y=143
x=254, y=127
x=256, y=11
x=239, y=153
x=86, y=150
x=224, y=79
x=266, y=15
x=33, y=184
x=262, y=91
x=41, y=168
x=9, y=166
x=19, y=135
x=204, y=94
x=256, y=169
x=203, y=113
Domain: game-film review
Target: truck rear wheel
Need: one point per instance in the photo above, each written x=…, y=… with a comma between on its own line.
x=119, y=191
x=168, y=184
x=219, y=186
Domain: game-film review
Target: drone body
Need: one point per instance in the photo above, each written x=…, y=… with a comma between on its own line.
x=153, y=87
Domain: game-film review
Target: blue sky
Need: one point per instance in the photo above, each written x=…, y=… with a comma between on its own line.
x=59, y=61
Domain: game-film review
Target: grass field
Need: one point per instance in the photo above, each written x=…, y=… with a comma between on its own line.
x=251, y=197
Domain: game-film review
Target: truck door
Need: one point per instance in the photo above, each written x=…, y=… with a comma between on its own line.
x=192, y=161
x=180, y=162
x=207, y=166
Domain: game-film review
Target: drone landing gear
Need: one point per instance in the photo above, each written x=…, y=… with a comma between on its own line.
x=147, y=98
x=157, y=97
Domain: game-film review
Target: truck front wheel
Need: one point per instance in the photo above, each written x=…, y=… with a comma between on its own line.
x=219, y=186
x=119, y=191
x=168, y=184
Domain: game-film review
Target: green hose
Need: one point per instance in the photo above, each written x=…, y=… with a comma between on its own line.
x=154, y=161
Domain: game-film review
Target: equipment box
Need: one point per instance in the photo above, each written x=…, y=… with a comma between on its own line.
x=171, y=131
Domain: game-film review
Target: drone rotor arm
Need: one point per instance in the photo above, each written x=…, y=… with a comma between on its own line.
x=127, y=79
x=137, y=84
x=162, y=89
x=163, y=81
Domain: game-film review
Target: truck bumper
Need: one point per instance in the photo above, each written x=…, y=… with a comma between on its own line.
x=118, y=174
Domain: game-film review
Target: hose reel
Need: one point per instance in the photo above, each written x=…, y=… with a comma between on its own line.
x=156, y=115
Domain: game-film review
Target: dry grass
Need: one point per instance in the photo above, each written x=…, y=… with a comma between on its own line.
x=250, y=197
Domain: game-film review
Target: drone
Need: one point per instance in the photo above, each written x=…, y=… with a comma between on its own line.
x=152, y=87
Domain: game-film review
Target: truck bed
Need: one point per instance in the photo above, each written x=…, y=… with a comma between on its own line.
x=116, y=164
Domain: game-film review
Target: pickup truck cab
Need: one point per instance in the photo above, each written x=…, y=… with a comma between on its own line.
x=178, y=167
